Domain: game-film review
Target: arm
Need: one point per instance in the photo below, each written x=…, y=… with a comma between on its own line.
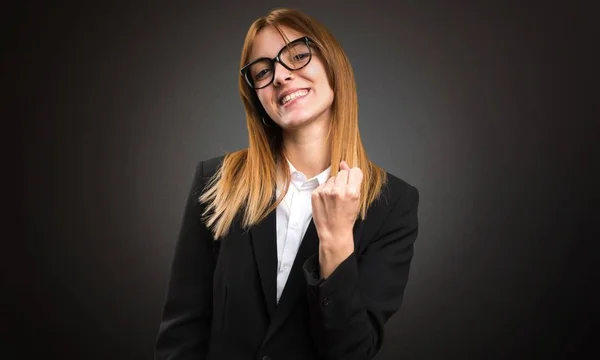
x=350, y=308
x=187, y=312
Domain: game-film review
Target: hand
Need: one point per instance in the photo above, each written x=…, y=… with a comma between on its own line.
x=335, y=207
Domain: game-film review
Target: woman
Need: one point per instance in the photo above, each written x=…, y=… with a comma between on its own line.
x=297, y=247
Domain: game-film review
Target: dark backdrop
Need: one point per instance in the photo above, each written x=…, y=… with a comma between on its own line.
x=481, y=103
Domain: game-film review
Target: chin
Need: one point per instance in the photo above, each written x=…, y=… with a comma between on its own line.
x=296, y=121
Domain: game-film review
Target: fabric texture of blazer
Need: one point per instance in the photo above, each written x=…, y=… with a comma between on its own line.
x=224, y=307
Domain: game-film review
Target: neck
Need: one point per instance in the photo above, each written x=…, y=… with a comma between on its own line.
x=307, y=149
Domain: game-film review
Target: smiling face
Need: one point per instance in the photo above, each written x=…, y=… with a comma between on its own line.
x=294, y=98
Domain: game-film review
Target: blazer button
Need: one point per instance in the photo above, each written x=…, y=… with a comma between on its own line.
x=266, y=358
x=326, y=301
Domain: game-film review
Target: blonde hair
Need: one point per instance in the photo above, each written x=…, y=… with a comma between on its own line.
x=247, y=178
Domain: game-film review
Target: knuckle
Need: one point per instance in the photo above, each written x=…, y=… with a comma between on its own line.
x=352, y=191
x=336, y=192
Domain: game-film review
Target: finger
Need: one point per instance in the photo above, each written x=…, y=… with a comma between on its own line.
x=354, y=183
x=344, y=165
x=342, y=177
x=329, y=185
x=355, y=176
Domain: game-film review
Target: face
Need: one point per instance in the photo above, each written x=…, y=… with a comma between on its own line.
x=295, y=98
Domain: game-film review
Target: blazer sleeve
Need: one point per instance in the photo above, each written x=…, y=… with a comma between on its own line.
x=350, y=308
x=187, y=311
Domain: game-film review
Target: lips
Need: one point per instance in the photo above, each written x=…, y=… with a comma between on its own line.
x=292, y=94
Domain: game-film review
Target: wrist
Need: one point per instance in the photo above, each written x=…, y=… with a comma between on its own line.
x=329, y=260
x=333, y=251
x=330, y=244
x=330, y=252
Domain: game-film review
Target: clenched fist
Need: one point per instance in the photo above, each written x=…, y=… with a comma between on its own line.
x=335, y=207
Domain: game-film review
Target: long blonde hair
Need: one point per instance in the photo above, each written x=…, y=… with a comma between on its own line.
x=247, y=178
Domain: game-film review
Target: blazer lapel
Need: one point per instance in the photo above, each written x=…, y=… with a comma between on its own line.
x=296, y=287
x=264, y=242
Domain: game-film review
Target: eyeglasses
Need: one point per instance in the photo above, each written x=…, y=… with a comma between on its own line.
x=294, y=56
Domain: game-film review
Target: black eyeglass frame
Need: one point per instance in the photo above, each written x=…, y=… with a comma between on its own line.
x=244, y=70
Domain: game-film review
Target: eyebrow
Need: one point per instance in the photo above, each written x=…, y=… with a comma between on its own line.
x=250, y=59
x=264, y=56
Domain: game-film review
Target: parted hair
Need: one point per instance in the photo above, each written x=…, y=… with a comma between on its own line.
x=244, y=184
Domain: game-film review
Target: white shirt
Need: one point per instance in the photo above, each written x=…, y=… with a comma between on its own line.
x=293, y=216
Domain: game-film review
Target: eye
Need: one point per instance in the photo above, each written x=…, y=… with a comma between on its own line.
x=300, y=57
x=261, y=74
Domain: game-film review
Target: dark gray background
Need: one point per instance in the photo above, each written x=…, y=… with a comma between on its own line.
x=477, y=105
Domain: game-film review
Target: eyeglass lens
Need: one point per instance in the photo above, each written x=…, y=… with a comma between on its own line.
x=294, y=57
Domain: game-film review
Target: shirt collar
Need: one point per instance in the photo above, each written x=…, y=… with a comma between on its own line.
x=321, y=178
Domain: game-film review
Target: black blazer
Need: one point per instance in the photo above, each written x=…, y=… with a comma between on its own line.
x=227, y=309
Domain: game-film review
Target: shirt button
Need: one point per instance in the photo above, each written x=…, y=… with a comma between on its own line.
x=326, y=301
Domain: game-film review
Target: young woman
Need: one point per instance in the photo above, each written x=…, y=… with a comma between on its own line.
x=297, y=247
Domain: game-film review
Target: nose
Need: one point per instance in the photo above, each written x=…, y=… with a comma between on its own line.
x=281, y=74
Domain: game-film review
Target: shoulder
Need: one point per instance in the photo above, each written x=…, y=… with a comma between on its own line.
x=209, y=166
x=394, y=214
x=398, y=201
x=203, y=171
x=206, y=168
x=397, y=190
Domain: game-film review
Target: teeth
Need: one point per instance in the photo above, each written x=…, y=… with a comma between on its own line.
x=292, y=96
